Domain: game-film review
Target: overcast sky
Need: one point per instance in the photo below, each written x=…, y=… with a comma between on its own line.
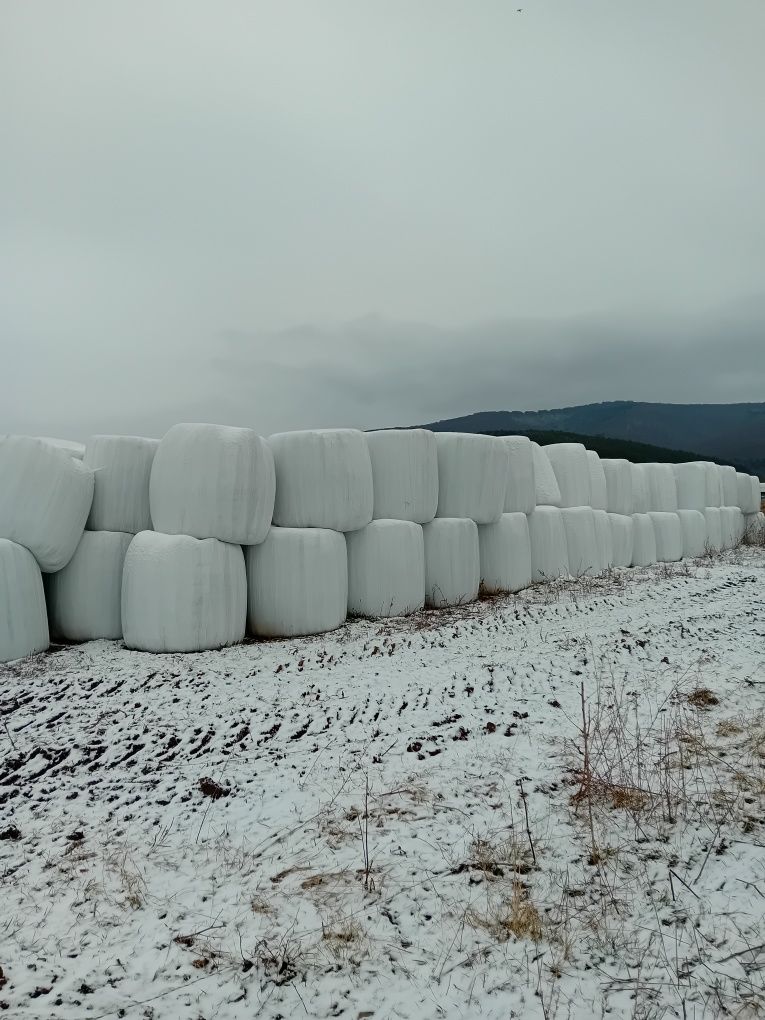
x=289, y=214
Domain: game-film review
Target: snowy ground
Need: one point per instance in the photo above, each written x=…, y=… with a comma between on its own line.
x=409, y=821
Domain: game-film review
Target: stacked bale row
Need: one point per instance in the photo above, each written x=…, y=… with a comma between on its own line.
x=191, y=541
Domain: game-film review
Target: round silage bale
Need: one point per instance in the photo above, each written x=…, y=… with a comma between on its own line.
x=691, y=482
x=520, y=496
x=669, y=535
x=622, y=527
x=549, y=550
x=598, y=487
x=452, y=562
x=713, y=519
x=569, y=462
x=641, y=493
x=729, y=485
x=45, y=498
x=297, y=582
x=745, y=494
x=183, y=594
x=604, y=537
x=472, y=476
x=713, y=484
x=386, y=569
x=581, y=541
x=323, y=479
x=505, y=554
x=694, y=527
x=754, y=528
x=731, y=522
x=212, y=481
x=85, y=598
x=404, y=474
x=643, y=541
x=23, y=616
x=662, y=488
x=618, y=475
x=547, y=490
x=122, y=467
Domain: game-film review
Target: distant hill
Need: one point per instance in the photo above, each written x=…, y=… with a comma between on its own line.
x=728, y=433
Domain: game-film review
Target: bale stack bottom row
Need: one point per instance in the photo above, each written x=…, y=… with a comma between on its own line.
x=188, y=543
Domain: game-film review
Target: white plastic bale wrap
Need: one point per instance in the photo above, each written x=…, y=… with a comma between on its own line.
x=694, y=527
x=691, y=482
x=668, y=533
x=297, y=582
x=472, y=476
x=581, y=541
x=323, y=479
x=618, y=475
x=748, y=490
x=714, y=484
x=729, y=485
x=598, y=487
x=386, y=569
x=662, y=488
x=85, y=598
x=505, y=553
x=732, y=525
x=643, y=541
x=23, y=617
x=545, y=482
x=572, y=471
x=404, y=474
x=713, y=519
x=754, y=527
x=641, y=490
x=605, y=539
x=68, y=446
x=521, y=485
x=122, y=468
x=549, y=550
x=183, y=594
x=212, y=481
x=622, y=527
x=452, y=562
x=45, y=498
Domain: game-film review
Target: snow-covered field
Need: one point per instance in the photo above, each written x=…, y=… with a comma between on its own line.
x=548, y=805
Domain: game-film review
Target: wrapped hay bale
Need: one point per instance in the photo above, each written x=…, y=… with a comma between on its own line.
x=662, y=488
x=68, y=446
x=713, y=519
x=729, y=485
x=732, y=526
x=643, y=541
x=572, y=472
x=669, y=536
x=297, y=582
x=472, y=476
x=23, y=617
x=694, y=528
x=748, y=495
x=618, y=475
x=122, y=468
x=754, y=528
x=505, y=554
x=598, y=487
x=621, y=538
x=452, y=562
x=212, y=481
x=520, y=496
x=85, y=598
x=404, y=474
x=691, y=482
x=182, y=594
x=581, y=541
x=323, y=479
x=547, y=490
x=605, y=539
x=549, y=551
x=45, y=498
x=714, y=484
x=641, y=493
x=386, y=569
